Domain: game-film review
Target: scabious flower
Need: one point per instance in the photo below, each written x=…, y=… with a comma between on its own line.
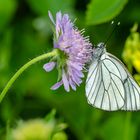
x=75, y=51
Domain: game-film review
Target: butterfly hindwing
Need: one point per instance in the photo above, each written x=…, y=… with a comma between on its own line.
x=104, y=87
x=132, y=89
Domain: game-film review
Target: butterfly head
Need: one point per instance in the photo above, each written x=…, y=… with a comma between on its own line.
x=99, y=51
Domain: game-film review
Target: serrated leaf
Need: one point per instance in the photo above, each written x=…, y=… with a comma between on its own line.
x=100, y=11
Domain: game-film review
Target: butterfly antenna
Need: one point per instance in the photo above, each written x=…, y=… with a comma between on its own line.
x=112, y=32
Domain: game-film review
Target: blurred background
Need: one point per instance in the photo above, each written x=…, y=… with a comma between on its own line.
x=25, y=33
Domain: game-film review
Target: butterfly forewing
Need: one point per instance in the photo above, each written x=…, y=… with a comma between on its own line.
x=104, y=87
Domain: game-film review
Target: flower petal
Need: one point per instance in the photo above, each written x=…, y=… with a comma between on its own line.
x=76, y=79
x=76, y=66
x=57, y=85
x=51, y=17
x=49, y=66
x=79, y=73
x=65, y=81
x=58, y=23
x=72, y=84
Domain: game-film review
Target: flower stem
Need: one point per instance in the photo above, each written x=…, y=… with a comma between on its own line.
x=23, y=68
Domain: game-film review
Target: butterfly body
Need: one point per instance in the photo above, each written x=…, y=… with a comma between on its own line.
x=109, y=85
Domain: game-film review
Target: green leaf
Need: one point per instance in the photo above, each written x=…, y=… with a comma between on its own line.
x=7, y=10
x=51, y=115
x=100, y=11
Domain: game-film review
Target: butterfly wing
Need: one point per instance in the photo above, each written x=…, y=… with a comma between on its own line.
x=104, y=87
x=132, y=89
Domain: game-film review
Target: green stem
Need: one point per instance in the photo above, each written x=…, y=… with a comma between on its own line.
x=23, y=68
x=127, y=126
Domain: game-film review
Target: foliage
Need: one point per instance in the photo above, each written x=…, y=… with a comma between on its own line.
x=100, y=11
x=25, y=33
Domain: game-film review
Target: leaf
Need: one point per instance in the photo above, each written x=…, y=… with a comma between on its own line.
x=100, y=11
x=51, y=115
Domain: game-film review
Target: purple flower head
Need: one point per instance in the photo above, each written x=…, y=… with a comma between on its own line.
x=75, y=51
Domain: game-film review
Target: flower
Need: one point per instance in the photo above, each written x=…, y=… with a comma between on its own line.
x=136, y=61
x=131, y=52
x=25, y=130
x=39, y=129
x=75, y=51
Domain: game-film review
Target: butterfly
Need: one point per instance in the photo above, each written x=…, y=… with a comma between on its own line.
x=109, y=85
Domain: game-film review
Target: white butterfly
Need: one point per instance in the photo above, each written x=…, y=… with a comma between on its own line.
x=109, y=85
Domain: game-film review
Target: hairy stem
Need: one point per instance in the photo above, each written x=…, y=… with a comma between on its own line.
x=23, y=68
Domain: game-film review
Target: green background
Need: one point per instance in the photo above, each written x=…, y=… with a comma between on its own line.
x=25, y=33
